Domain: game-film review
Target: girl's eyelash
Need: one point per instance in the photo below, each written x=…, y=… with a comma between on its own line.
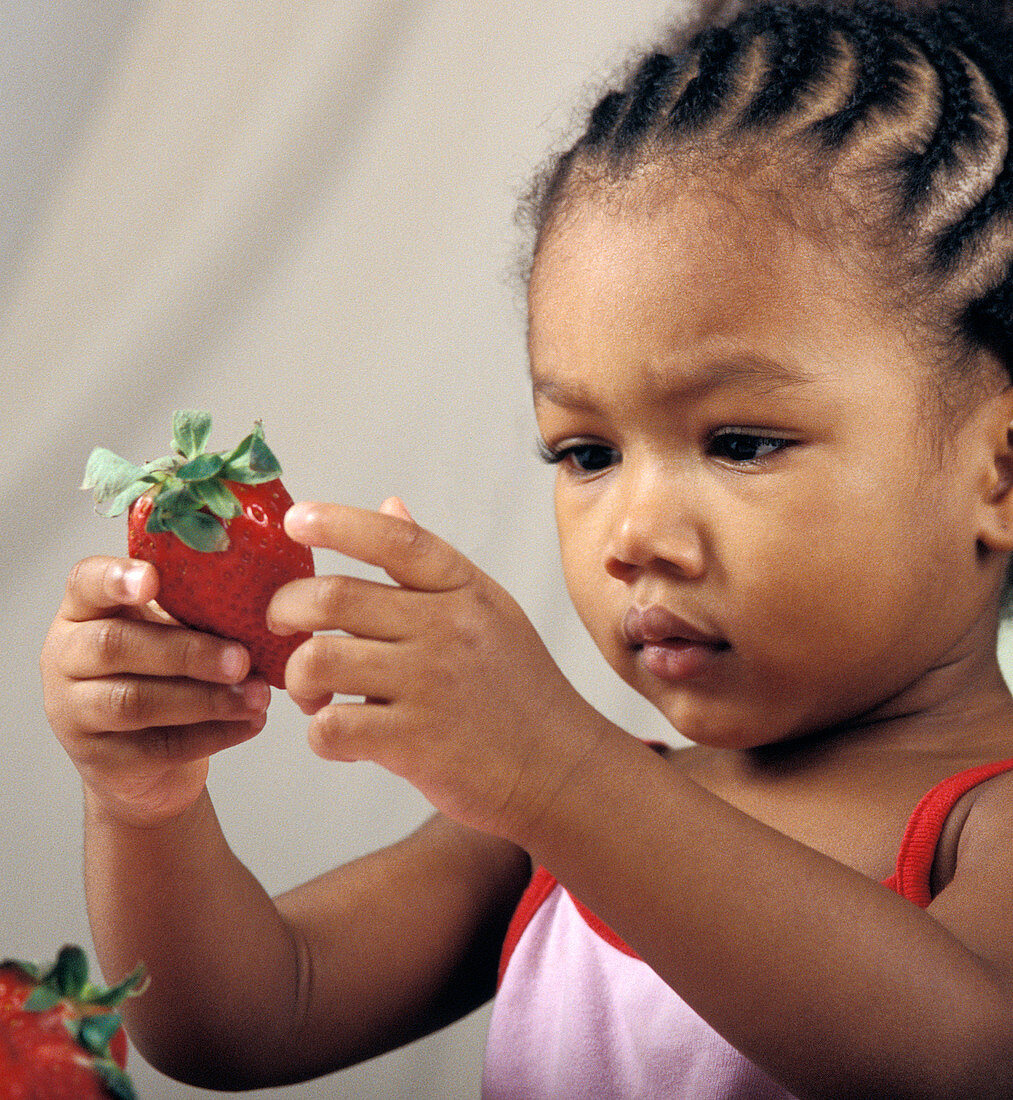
x=587, y=456
x=745, y=445
x=549, y=455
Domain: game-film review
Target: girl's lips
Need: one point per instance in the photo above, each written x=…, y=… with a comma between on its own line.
x=670, y=647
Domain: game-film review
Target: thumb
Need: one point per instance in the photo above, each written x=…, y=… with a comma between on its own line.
x=394, y=506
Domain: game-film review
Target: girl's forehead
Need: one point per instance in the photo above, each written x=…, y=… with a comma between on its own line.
x=699, y=260
x=697, y=279
x=702, y=235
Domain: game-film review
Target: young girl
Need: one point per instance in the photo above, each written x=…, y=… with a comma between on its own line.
x=770, y=320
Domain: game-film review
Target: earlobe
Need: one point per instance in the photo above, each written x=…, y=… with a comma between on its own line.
x=996, y=528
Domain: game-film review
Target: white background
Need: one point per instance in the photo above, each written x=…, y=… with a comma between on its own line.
x=301, y=212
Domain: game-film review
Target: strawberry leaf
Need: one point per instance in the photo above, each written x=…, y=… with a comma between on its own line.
x=95, y=1033
x=198, y=530
x=132, y=985
x=170, y=502
x=42, y=999
x=201, y=468
x=252, y=462
x=70, y=972
x=240, y=451
x=190, y=431
x=115, y=482
x=218, y=498
x=262, y=458
x=114, y=1079
x=120, y=503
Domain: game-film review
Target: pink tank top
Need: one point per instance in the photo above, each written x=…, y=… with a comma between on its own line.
x=579, y=1015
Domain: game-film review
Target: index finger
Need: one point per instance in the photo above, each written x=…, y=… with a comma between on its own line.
x=410, y=555
x=100, y=584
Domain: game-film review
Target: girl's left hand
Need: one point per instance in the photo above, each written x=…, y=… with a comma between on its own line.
x=460, y=695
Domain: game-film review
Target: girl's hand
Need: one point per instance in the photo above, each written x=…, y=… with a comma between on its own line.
x=460, y=695
x=139, y=702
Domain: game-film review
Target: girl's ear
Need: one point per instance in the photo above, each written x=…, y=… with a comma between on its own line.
x=996, y=522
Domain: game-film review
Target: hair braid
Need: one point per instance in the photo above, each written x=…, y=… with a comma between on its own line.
x=958, y=122
x=989, y=319
x=900, y=109
x=603, y=119
x=986, y=319
x=955, y=240
x=649, y=89
x=799, y=57
x=880, y=82
x=704, y=94
x=999, y=199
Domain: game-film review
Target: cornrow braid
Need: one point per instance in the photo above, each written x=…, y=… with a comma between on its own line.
x=649, y=89
x=800, y=54
x=603, y=119
x=706, y=91
x=878, y=86
x=987, y=319
x=998, y=201
x=900, y=108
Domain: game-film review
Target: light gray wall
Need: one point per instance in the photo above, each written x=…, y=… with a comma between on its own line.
x=300, y=212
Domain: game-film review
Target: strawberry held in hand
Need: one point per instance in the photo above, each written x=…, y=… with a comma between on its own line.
x=59, y=1036
x=212, y=525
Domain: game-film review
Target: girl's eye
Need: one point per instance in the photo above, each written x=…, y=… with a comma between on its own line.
x=734, y=445
x=585, y=457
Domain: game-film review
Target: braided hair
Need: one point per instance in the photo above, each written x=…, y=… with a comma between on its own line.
x=899, y=110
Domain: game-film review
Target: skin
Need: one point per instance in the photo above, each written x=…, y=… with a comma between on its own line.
x=845, y=580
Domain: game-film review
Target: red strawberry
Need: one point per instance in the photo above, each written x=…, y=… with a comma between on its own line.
x=59, y=1038
x=211, y=523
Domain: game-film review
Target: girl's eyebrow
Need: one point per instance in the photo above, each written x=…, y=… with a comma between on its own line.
x=748, y=370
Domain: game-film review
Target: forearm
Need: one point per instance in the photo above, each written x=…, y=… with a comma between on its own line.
x=223, y=966
x=832, y=983
x=247, y=991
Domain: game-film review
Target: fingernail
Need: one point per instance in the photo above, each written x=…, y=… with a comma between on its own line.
x=395, y=506
x=232, y=661
x=256, y=694
x=296, y=517
x=132, y=579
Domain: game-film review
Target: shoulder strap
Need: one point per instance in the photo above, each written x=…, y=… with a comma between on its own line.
x=911, y=879
x=541, y=885
x=539, y=888
x=921, y=837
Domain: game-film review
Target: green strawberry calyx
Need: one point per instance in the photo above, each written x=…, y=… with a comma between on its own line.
x=190, y=495
x=92, y=1021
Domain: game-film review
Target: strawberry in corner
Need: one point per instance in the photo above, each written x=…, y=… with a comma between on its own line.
x=60, y=1036
x=212, y=525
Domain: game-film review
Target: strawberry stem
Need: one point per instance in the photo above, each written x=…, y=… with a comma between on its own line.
x=189, y=490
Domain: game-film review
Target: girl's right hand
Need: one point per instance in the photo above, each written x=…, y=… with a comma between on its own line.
x=139, y=702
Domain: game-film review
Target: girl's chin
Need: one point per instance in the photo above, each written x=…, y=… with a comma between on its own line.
x=710, y=727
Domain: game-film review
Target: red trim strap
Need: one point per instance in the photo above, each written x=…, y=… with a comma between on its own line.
x=911, y=879
x=541, y=885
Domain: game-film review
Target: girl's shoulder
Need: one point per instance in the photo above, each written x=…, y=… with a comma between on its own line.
x=972, y=876
x=861, y=816
x=979, y=824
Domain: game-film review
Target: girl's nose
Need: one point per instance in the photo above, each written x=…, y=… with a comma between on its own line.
x=654, y=528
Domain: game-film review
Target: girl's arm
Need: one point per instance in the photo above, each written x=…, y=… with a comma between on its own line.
x=245, y=990
x=829, y=981
x=832, y=983
x=249, y=992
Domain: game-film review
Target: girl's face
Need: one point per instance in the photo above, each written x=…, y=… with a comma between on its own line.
x=755, y=525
